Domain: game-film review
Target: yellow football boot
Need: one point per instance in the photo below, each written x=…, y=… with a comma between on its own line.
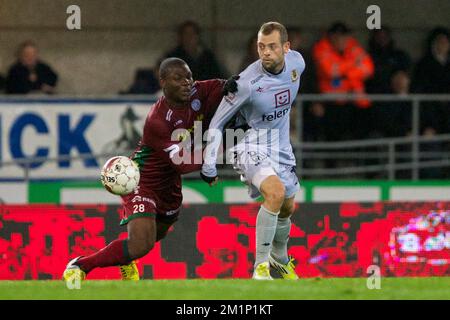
x=262, y=272
x=130, y=271
x=73, y=273
x=287, y=271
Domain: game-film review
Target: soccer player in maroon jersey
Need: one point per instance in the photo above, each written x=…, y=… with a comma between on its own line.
x=155, y=204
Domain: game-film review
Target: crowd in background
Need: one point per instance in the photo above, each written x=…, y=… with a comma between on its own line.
x=336, y=63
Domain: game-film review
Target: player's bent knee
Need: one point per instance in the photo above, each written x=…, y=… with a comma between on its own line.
x=139, y=247
x=275, y=201
x=275, y=194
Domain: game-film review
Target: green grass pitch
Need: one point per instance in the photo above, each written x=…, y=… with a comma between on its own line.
x=331, y=288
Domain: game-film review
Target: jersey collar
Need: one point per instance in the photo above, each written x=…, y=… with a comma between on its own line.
x=270, y=74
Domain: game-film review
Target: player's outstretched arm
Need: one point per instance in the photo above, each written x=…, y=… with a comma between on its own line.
x=228, y=107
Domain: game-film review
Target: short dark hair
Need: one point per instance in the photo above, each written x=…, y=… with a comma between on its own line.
x=269, y=27
x=188, y=24
x=169, y=63
x=338, y=27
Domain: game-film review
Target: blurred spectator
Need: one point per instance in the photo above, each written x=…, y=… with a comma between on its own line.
x=313, y=112
x=29, y=73
x=342, y=64
x=309, y=79
x=145, y=82
x=251, y=54
x=386, y=58
x=432, y=75
x=2, y=83
x=200, y=59
x=342, y=67
x=393, y=118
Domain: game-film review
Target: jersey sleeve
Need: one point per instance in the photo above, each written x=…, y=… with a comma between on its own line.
x=158, y=137
x=228, y=107
x=302, y=63
x=210, y=92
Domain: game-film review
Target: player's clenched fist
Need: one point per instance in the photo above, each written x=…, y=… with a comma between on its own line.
x=212, y=181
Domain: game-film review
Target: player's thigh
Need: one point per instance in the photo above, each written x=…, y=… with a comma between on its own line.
x=142, y=231
x=287, y=209
x=288, y=177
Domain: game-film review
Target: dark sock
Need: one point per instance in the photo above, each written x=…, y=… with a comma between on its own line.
x=114, y=254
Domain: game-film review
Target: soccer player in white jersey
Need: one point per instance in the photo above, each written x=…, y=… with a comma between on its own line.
x=264, y=157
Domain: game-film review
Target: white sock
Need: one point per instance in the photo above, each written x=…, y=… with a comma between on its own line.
x=266, y=224
x=280, y=240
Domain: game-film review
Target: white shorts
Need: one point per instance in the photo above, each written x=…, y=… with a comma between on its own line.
x=254, y=167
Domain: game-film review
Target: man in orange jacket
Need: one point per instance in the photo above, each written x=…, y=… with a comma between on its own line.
x=342, y=64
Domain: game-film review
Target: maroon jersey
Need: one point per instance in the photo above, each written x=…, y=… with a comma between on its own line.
x=160, y=179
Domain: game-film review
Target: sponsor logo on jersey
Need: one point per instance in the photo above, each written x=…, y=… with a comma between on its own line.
x=256, y=79
x=149, y=200
x=196, y=104
x=143, y=199
x=136, y=199
x=282, y=98
x=276, y=114
x=294, y=75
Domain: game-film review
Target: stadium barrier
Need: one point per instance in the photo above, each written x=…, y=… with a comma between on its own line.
x=68, y=137
x=218, y=240
x=227, y=191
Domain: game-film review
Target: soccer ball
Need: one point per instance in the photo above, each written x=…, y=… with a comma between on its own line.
x=120, y=175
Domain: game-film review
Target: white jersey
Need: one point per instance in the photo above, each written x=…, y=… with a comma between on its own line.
x=264, y=101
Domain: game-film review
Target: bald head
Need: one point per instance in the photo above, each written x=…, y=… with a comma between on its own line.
x=169, y=64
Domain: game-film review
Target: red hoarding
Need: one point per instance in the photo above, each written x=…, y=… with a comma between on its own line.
x=218, y=241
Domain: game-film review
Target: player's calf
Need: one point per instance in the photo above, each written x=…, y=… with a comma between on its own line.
x=266, y=222
x=142, y=236
x=281, y=238
x=138, y=247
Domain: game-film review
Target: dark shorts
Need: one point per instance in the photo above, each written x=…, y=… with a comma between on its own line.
x=136, y=205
